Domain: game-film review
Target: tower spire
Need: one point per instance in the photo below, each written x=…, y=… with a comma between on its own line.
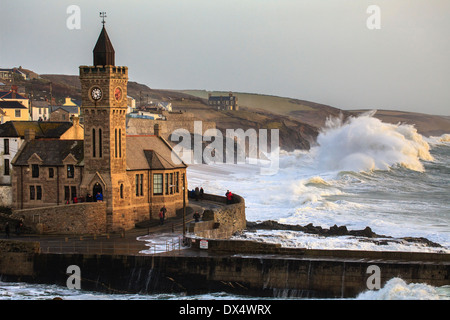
x=103, y=51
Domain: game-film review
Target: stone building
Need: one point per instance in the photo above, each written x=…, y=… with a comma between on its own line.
x=135, y=175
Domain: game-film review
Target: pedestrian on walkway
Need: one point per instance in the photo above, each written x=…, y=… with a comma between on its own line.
x=162, y=214
x=197, y=193
x=196, y=216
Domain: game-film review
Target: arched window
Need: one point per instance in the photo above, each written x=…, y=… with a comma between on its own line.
x=100, y=151
x=115, y=143
x=120, y=143
x=121, y=191
x=93, y=143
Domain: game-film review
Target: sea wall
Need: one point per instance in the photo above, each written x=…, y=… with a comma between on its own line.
x=79, y=218
x=221, y=222
x=253, y=275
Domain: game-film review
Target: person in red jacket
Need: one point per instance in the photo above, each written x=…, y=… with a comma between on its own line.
x=229, y=196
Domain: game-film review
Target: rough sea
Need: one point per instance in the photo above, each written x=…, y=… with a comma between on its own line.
x=361, y=173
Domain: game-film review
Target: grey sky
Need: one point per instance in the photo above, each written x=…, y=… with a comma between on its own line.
x=317, y=50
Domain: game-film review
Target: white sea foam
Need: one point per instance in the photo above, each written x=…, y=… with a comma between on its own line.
x=398, y=289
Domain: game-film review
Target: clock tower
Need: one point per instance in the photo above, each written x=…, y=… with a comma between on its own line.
x=104, y=106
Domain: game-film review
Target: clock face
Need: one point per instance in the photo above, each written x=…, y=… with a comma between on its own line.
x=96, y=93
x=118, y=94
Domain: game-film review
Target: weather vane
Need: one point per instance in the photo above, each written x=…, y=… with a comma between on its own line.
x=103, y=16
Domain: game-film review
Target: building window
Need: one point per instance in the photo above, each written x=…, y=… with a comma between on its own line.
x=51, y=172
x=137, y=185
x=93, y=143
x=167, y=183
x=35, y=193
x=6, y=171
x=121, y=191
x=171, y=183
x=73, y=191
x=70, y=171
x=35, y=171
x=66, y=193
x=17, y=113
x=32, y=193
x=177, y=182
x=157, y=183
x=6, y=146
x=38, y=193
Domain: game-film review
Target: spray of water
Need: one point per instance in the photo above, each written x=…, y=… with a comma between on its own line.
x=365, y=143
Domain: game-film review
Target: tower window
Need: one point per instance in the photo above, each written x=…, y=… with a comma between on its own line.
x=121, y=191
x=100, y=151
x=120, y=143
x=93, y=143
x=115, y=143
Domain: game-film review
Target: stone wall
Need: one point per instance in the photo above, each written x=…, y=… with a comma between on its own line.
x=221, y=222
x=257, y=275
x=16, y=257
x=80, y=218
x=6, y=196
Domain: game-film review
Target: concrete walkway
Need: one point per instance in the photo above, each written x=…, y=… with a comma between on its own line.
x=150, y=237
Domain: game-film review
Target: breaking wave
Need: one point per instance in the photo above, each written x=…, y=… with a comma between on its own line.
x=365, y=143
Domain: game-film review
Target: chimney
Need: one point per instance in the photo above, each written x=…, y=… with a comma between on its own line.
x=157, y=130
x=14, y=91
x=76, y=121
x=230, y=94
x=29, y=134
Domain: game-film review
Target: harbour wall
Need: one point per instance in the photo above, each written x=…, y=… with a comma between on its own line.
x=297, y=274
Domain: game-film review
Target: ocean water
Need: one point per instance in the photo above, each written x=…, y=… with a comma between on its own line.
x=361, y=173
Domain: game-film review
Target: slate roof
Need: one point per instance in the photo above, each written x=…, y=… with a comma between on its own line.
x=52, y=152
x=42, y=129
x=69, y=109
x=9, y=95
x=11, y=105
x=143, y=152
x=149, y=152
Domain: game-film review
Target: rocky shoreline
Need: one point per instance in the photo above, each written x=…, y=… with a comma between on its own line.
x=336, y=231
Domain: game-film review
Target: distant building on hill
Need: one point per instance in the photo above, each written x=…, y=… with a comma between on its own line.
x=63, y=113
x=223, y=102
x=40, y=110
x=14, y=106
